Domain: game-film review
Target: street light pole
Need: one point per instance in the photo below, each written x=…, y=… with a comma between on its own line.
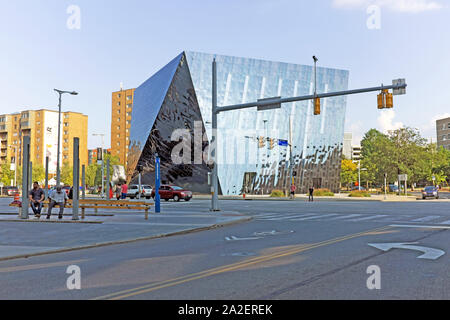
x=58, y=169
x=215, y=178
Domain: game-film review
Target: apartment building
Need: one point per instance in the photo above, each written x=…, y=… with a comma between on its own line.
x=42, y=128
x=122, y=107
x=443, y=133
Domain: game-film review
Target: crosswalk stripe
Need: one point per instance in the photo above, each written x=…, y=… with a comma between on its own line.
x=279, y=215
x=427, y=218
x=316, y=217
x=369, y=218
x=284, y=216
x=445, y=222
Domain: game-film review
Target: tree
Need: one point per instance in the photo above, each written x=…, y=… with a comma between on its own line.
x=38, y=173
x=66, y=174
x=348, y=172
x=91, y=174
x=6, y=175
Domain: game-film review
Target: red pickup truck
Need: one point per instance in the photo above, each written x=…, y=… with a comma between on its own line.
x=173, y=192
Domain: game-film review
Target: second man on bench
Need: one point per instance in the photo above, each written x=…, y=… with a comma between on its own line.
x=57, y=197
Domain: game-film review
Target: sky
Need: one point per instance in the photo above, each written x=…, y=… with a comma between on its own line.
x=93, y=46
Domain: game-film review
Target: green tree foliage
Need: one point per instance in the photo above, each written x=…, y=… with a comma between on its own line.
x=349, y=172
x=6, y=174
x=66, y=174
x=402, y=151
x=39, y=173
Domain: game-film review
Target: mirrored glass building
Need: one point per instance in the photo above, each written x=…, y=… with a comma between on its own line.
x=253, y=146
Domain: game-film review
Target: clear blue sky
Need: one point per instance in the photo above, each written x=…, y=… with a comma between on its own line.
x=127, y=41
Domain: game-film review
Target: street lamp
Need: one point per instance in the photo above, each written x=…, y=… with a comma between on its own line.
x=58, y=173
x=359, y=174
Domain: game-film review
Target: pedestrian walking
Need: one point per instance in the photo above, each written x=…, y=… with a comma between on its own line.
x=71, y=193
x=311, y=194
x=111, y=193
x=118, y=192
x=57, y=197
x=293, y=189
x=37, y=197
x=124, y=190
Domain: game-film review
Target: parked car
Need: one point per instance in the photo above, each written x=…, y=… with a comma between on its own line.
x=167, y=193
x=430, y=192
x=133, y=191
x=358, y=188
x=10, y=190
x=393, y=188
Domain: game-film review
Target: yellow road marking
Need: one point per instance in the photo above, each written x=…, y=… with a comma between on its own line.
x=232, y=267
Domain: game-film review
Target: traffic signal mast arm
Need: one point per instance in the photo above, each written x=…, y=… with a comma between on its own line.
x=304, y=98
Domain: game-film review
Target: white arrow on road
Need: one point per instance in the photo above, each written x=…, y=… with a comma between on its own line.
x=429, y=253
x=233, y=238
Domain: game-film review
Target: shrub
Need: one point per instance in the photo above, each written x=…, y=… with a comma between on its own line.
x=359, y=194
x=323, y=193
x=277, y=194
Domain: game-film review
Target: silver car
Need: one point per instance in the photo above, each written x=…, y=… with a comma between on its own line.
x=133, y=191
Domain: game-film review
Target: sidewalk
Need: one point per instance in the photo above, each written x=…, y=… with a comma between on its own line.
x=24, y=238
x=304, y=197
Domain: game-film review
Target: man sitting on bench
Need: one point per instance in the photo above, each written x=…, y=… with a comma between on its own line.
x=57, y=197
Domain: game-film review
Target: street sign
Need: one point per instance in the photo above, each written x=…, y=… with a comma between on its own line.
x=397, y=92
x=269, y=106
x=283, y=143
x=429, y=253
x=403, y=177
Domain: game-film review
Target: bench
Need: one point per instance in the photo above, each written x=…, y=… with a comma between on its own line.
x=104, y=204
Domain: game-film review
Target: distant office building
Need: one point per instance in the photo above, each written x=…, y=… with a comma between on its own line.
x=255, y=160
x=356, y=153
x=347, y=149
x=42, y=128
x=121, y=109
x=443, y=133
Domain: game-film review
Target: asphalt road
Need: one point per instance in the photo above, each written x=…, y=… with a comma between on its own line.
x=290, y=250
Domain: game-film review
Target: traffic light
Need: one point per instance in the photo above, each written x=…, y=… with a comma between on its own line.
x=261, y=142
x=380, y=101
x=389, y=100
x=317, y=106
x=385, y=99
x=271, y=144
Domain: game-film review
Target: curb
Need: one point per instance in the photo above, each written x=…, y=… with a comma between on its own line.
x=110, y=243
x=52, y=221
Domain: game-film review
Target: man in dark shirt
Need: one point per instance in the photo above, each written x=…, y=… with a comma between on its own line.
x=37, y=197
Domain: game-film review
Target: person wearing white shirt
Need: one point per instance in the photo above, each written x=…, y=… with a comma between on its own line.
x=57, y=197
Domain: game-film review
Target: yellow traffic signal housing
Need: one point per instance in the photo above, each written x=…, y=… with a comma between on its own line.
x=317, y=106
x=389, y=100
x=380, y=101
x=261, y=142
x=272, y=144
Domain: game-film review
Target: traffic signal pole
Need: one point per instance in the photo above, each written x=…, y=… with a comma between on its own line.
x=276, y=102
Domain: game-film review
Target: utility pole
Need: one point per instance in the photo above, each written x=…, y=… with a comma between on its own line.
x=398, y=87
x=58, y=170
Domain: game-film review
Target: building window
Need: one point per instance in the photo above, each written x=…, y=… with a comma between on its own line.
x=129, y=105
x=444, y=138
x=118, y=127
x=129, y=98
x=38, y=123
x=128, y=114
x=118, y=119
x=448, y=126
x=66, y=124
x=118, y=111
x=118, y=136
x=118, y=144
x=118, y=103
x=119, y=95
x=66, y=132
